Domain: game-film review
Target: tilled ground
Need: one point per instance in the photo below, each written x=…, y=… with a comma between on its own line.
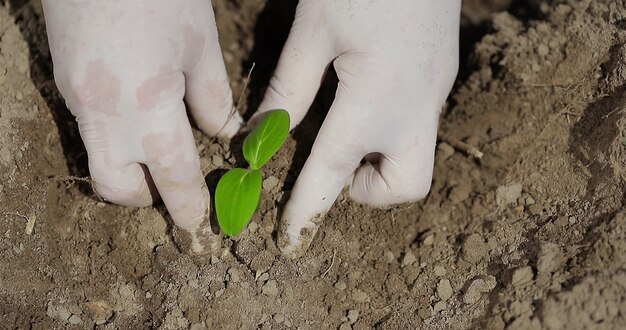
x=530, y=236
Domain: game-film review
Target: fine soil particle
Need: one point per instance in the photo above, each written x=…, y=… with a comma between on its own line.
x=530, y=236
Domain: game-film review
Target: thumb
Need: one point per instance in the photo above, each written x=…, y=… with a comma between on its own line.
x=301, y=67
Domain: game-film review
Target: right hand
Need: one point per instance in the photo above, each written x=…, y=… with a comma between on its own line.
x=124, y=68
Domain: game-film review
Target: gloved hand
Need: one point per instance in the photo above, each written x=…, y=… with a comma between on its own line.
x=396, y=62
x=124, y=68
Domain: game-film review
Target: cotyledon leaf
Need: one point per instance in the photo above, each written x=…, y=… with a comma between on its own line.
x=236, y=199
x=266, y=138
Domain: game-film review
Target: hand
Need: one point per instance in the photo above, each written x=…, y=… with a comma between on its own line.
x=124, y=68
x=396, y=62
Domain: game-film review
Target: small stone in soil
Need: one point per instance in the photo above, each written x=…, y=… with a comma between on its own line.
x=429, y=240
x=506, y=195
x=440, y=306
x=353, y=316
x=551, y=258
x=444, y=290
x=389, y=256
x=197, y=326
x=75, y=320
x=444, y=151
x=440, y=271
x=270, y=183
x=263, y=277
x=460, y=193
x=360, y=296
x=409, y=258
x=355, y=275
x=270, y=288
x=424, y=313
x=474, y=249
x=340, y=285
x=522, y=276
x=345, y=326
x=217, y=161
x=477, y=287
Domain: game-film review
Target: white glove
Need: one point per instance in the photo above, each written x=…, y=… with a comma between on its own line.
x=396, y=62
x=124, y=68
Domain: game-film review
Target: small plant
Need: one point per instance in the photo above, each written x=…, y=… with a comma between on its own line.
x=239, y=191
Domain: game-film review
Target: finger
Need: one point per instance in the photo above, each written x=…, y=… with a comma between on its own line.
x=323, y=176
x=301, y=67
x=174, y=165
x=208, y=93
x=402, y=173
x=116, y=177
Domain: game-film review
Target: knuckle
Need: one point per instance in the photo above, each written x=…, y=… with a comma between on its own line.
x=137, y=196
x=93, y=88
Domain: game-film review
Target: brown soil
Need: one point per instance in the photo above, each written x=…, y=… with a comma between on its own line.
x=530, y=236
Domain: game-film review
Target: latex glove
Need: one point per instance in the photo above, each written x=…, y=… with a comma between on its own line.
x=396, y=62
x=124, y=68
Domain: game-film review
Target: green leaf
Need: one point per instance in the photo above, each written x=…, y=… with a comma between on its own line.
x=237, y=198
x=266, y=138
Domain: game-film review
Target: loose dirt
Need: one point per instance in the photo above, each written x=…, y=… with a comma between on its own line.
x=530, y=236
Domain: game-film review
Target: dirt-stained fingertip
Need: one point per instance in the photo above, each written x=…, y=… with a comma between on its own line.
x=294, y=241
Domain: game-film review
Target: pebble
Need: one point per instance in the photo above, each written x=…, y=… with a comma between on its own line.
x=572, y=220
x=253, y=226
x=424, y=313
x=340, y=285
x=440, y=271
x=444, y=290
x=477, y=287
x=355, y=275
x=75, y=320
x=264, y=277
x=444, y=151
x=408, y=259
x=459, y=193
x=551, y=258
x=543, y=50
x=429, y=240
x=440, y=306
x=522, y=276
x=360, y=296
x=270, y=288
x=474, y=249
x=353, y=316
x=345, y=326
x=217, y=160
x=235, y=274
x=270, y=183
x=197, y=326
x=389, y=256
x=530, y=201
x=214, y=260
x=506, y=195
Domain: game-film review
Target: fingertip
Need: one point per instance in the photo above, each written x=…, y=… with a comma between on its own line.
x=295, y=239
x=127, y=186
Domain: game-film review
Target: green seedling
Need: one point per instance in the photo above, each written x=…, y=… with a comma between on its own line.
x=239, y=191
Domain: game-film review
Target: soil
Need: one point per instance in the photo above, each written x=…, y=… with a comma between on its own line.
x=530, y=236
